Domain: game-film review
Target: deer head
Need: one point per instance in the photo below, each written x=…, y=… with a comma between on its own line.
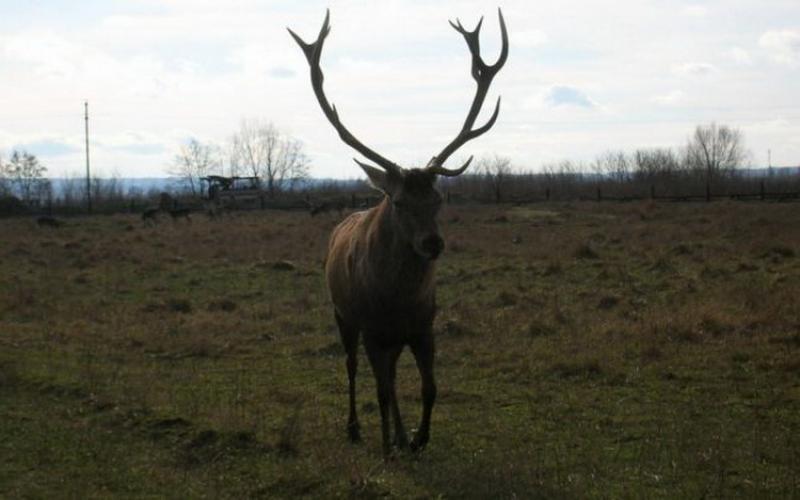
x=412, y=196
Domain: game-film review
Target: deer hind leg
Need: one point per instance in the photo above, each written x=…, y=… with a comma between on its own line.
x=350, y=340
x=423, y=351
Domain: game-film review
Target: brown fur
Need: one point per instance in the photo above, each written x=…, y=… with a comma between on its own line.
x=383, y=290
x=369, y=267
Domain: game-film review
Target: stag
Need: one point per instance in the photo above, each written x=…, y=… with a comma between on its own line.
x=49, y=221
x=380, y=263
x=316, y=208
x=150, y=216
x=180, y=213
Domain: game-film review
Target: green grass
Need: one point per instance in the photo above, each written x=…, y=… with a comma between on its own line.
x=584, y=350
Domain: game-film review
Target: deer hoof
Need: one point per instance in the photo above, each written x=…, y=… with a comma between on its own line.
x=401, y=442
x=354, y=433
x=418, y=443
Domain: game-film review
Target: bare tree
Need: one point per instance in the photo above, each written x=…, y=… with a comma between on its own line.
x=195, y=160
x=565, y=178
x=715, y=151
x=5, y=185
x=655, y=165
x=73, y=189
x=613, y=164
x=25, y=175
x=262, y=150
x=107, y=190
x=496, y=171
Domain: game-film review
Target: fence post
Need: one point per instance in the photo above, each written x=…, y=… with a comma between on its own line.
x=708, y=191
x=352, y=200
x=761, y=190
x=599, y=195
x=547, y=194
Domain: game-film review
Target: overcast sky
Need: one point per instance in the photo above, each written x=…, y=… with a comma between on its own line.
x=582, y=77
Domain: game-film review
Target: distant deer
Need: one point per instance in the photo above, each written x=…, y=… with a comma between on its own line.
x=213, y=209
x=315, y=209
x=150, y=216
x=48, y=221
x=380, y=263
x=180, y=213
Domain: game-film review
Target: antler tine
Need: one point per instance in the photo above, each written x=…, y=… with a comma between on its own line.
x=439, y=170
x=483, y=74
x=313, y=53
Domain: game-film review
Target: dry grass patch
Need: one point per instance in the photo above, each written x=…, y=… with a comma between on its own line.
x=584, y=350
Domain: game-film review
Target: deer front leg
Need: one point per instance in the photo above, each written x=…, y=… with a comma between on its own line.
x=350, y=341
x=380, y=360
x=423, y=351
x=400, y=437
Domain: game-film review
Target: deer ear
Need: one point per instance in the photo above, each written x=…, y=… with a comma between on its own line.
x=380, y=179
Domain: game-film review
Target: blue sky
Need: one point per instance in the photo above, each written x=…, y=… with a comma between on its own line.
x=582, y=77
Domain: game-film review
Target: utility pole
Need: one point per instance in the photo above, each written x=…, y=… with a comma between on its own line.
x=88, y=175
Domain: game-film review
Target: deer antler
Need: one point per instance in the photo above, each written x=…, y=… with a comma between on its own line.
x=313, y=51
x=483, y=75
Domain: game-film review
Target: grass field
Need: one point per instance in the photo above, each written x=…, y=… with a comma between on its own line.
x=584, y=350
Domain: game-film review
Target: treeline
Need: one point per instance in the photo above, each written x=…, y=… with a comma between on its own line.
x=711, y=164
x=108, y=195
x=24, y=189
x=22, y=182
x=257, y=149
x=653, y=173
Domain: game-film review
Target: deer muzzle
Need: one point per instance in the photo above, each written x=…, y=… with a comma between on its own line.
x=431, y=246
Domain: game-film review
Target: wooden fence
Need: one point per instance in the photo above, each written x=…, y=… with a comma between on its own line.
x=761, y=195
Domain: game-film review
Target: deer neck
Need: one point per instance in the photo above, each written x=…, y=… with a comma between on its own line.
x=392, y=257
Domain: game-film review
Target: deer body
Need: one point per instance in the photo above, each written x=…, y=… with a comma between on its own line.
x=375, y=279
x=380, y=263
x=384, y=290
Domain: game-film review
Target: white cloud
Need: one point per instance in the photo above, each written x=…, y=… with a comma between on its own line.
x=670, y=98
x=64, y=65
x=565, y=95
x=780, y=135
x=695, y=10
x=51, y=54
x=137, y=142
x=560, y=96
x=694, y=69
x=259, y=60
x=156, y=72
x=528, y=38
x=740, y=56
x=783, y=46
x=281, y=72
x=49, y=146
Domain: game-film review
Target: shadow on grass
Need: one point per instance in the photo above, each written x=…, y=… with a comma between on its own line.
x=479, y=475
